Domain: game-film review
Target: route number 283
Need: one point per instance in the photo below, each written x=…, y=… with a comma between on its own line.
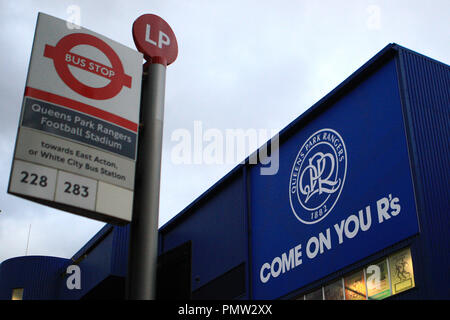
x=76, y=189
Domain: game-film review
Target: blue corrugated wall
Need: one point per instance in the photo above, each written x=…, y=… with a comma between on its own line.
x=38, y=275
x=426, y=97
x=217, y=228
x=103, y=256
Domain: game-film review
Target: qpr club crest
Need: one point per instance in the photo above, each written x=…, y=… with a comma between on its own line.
x=318, y=176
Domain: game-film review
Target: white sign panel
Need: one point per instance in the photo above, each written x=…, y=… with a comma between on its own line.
x=77, y=139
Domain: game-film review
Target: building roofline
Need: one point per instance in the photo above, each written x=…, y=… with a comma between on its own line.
x=384, y=55
x=92, y=243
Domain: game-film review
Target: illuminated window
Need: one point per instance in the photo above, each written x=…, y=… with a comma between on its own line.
x=315, y=295
x=355, y=286
x=377, y=280
x=17, y=294
x=401, y=270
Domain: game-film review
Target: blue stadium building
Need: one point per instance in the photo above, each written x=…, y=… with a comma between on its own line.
x=358, y=207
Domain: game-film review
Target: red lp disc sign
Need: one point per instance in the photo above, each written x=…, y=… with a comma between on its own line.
x=155, y=39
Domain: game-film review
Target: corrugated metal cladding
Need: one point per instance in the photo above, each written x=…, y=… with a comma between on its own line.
x=38, y=275
x=216, y=227
x=426, y=96
x=102, y=261
x=206, y=250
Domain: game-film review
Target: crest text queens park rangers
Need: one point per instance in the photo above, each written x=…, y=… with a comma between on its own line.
x=318, y=176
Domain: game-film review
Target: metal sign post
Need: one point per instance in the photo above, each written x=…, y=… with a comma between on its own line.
x=153, y=37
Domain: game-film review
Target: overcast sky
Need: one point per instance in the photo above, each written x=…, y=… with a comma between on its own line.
x=241, y=65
